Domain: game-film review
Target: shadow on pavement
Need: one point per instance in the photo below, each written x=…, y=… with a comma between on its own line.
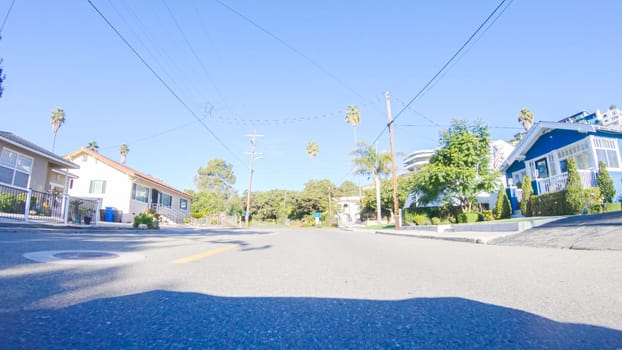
x=164, y=319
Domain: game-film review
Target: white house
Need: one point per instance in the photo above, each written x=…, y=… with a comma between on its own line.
x=124, y=190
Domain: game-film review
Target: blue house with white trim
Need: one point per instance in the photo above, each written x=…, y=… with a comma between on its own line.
x=543, y=151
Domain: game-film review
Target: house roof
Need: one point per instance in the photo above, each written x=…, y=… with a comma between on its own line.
x=17, y=141
x=127, y=170
x=542, y=128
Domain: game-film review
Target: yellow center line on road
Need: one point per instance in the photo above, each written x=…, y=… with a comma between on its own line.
x=205, y=254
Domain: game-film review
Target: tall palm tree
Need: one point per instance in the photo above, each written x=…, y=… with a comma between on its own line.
x=93, y=146
x=525, y=117
x=353, y=117
x=371, y=163
x=57, y=119
x=124, y=149
x=313, y=149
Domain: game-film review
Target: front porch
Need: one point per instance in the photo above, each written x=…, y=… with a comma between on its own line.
x=558, y=182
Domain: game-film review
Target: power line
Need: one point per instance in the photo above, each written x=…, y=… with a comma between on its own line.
x=170, y=90
x=444, y=67
x=6, y=17
x=292, y=48
x=448, y=126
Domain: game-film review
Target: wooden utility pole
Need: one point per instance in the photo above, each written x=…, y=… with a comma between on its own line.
x=252, y=153
x=396, y=206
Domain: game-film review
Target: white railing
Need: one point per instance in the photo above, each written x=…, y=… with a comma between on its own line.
x=170, y=214
x=558, y=182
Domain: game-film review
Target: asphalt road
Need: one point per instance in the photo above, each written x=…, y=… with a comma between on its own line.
x=594, y=232
x=313, y=289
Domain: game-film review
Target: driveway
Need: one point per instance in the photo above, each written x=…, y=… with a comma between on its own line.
x=591, y=232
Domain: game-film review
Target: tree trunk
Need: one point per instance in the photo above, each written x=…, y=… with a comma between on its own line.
x=378, y=209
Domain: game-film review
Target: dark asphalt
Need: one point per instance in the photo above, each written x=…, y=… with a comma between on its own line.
x=175, y=320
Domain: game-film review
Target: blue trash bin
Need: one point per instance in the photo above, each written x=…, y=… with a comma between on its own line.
x=108, y=215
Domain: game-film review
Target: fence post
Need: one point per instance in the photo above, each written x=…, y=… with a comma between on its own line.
x=27, y=205
x=66, y=208
x=99, y=206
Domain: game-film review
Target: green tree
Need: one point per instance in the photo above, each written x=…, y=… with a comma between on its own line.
x=93, y=146
x=575, y=194
x=605, y=183
x=57, y=118
x=353, y=117
x=208, y=203
x=347, y=189
x=503, y=209
x=369, y=162
x=404, y=187
x=217, y=176
x=525, y=118
x=124, y=149
x=525, y=207
x=459, y=169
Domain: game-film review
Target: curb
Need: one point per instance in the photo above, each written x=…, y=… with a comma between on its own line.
x=453, y=239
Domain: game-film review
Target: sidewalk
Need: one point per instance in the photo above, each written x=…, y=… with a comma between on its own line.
x=479, y=233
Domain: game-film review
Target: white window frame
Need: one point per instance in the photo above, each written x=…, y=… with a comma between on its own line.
x=574, y=149
x=161, y=200
x=606, y=144
x=135, y=189
x=14, y=167
x=94, y=189
x=183, y=204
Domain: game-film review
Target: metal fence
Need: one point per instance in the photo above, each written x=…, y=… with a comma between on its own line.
x=30, y=205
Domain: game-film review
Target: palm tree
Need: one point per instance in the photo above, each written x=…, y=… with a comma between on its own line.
x=371, y=163
x=57, y=118
x=93, y=146
x=525, y=117
x=313, y=149
x=124, y=149
x=353, y=117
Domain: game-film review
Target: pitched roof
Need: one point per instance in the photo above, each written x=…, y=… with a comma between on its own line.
x=542, y=128
x=126, y=170
x=15, y=140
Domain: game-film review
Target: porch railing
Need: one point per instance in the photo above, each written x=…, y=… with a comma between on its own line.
x=558, y=182
x=29, y=205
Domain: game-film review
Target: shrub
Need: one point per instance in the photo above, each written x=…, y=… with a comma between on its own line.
x=575, y=195
x=146, y=218
x=421, y=220
x=605, y=184
x=594, y=200
x=525, y=206
x=487, y=215
x=503, y=209
x=468, y=217
x=613, y=206
x=548, y=204
x=436, y=221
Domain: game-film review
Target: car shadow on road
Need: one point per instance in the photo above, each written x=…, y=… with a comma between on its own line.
x=167, y=319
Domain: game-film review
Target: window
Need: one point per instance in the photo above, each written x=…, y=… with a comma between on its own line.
x=542, y=169
x=581, y=154
x=140, y=193
x=166, y=200
x=183, y=204
x=607, y=152
x=97, y=187
x=15, y=168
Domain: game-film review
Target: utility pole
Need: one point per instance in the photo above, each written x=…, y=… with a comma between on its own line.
x=252, y=153
x=396, y=206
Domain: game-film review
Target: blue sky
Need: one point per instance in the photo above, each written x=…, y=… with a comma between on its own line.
x=555, y=58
